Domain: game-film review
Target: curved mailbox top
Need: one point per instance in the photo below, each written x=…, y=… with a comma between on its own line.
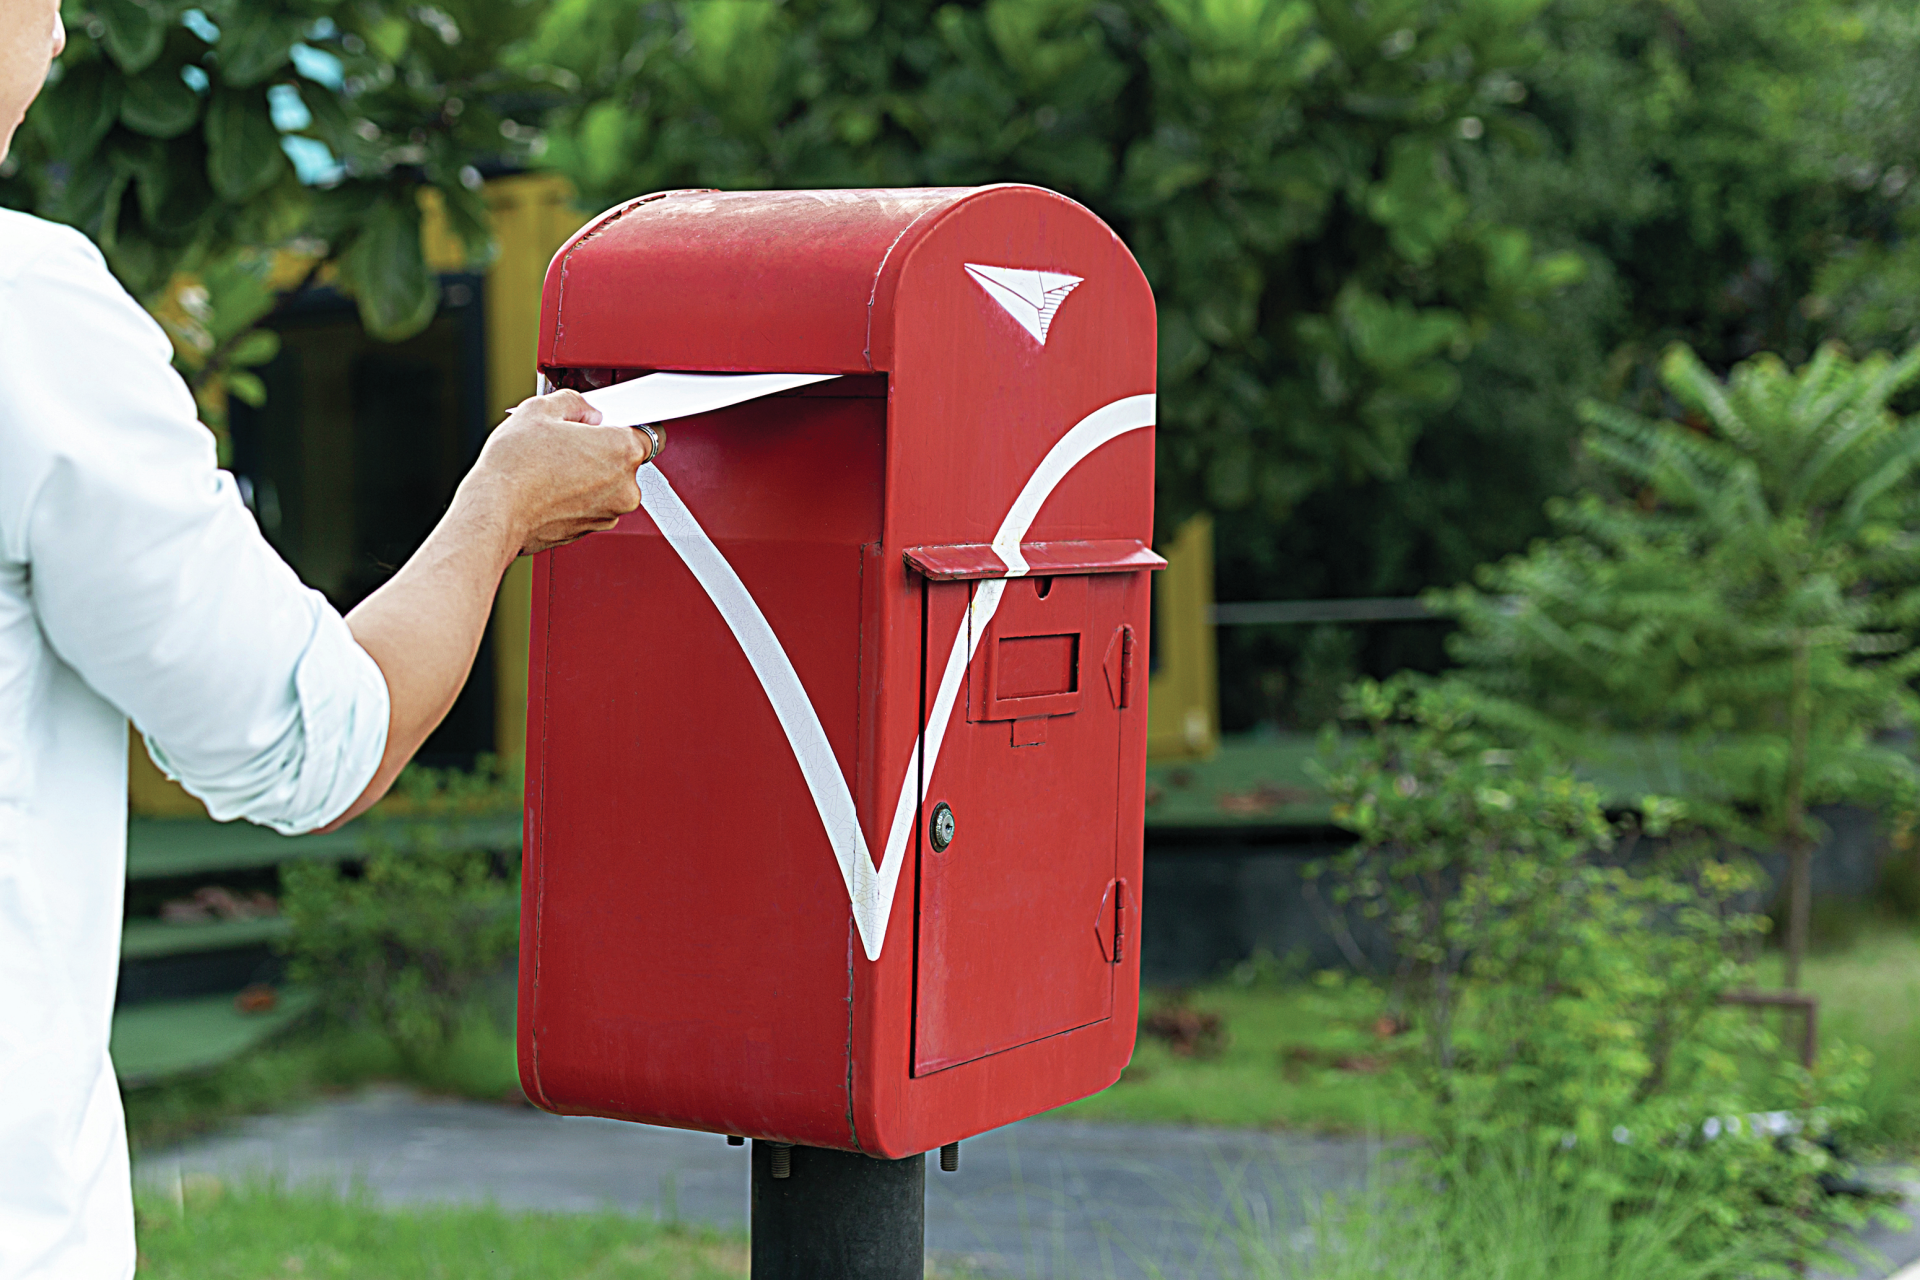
x=759, y=280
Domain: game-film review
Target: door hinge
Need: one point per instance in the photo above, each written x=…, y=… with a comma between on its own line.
x=1119, y=667
x=1110, y=926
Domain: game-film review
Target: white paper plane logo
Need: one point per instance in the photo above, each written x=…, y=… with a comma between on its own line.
x=1030, y=297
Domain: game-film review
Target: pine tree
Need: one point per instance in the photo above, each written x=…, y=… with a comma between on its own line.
x=1736, y=603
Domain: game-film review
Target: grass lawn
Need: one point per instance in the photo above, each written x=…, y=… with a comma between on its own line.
x=205, y=1230
x=1869, y=992
x=1302, y=1054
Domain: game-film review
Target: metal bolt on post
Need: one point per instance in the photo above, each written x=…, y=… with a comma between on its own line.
x=950, y=1158
x=837, y=1215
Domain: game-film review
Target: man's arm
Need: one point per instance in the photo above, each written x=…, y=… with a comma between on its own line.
x=546, y=477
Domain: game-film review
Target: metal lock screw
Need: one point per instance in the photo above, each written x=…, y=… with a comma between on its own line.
x=941, y=828
x=780, y=1160
x=950, y=1158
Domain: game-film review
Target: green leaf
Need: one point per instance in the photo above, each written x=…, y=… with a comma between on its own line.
x=1417, y=205
x=468, y=219
x=76, y=113
x=339, y=211
x=257, y=347
x=172, y=185
x=243, y=147
x=135, y=30
x=246, y=387
x=254, y=43
x=142, y=265
x=91, y=200
x=1558, y=270
x=159, y=103
x=386, y=270
x=388, y=37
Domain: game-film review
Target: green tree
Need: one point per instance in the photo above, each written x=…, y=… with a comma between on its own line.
x=1286, y=171
x=193, y=142
x=1743, y=593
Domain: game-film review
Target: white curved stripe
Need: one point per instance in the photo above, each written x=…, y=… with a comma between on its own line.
x=873, y=890
x=870, y=890
x=770, y=663
x=1068, y=452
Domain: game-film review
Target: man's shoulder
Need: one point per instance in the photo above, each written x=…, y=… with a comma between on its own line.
x=30, y=246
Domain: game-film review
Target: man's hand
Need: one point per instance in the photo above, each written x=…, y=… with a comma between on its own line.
x=549, y=474
x=554, y=475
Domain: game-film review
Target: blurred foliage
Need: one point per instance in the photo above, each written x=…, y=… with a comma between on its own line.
x=1867, y=287
x=1745, y=588
x=1682, y=143
x=222, y=152
x=1287, y=172
x=491, y=787
x=1567, y=989
x=405, y=946
x=1736, y=174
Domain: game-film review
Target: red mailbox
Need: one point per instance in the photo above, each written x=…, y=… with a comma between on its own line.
x=836, y=749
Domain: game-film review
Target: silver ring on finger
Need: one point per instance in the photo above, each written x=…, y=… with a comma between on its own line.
x=653, y=435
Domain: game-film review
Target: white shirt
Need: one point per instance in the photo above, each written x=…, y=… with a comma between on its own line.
x=133, y=584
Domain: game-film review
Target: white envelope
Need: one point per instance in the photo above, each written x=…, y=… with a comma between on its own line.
x=658, y=397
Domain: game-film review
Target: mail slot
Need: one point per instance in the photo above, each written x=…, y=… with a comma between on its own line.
x=916, y=583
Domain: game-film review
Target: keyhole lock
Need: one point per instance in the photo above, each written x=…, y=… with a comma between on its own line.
x=942, y=828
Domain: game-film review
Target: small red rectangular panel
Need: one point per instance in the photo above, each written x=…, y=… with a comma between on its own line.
x=1034, y=666
x=1047, y=680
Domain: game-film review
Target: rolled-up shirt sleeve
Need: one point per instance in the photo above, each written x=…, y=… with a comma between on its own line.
x=149, y=576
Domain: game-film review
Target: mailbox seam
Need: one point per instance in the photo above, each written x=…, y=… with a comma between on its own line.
x=1012, y=1048
x=853, y=1123
x=540, y=883
x=873, y=292
x=592, y=231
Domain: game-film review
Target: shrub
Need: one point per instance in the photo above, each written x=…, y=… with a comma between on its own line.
x=1565, y=974
x=405, y=945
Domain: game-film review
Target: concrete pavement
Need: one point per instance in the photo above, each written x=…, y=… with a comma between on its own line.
x=1043, y=1198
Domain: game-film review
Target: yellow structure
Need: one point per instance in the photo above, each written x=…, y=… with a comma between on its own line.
x=149, y=793
x=533, y=215
x=1183, y=695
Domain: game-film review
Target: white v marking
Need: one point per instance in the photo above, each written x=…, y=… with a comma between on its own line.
x=871, y=889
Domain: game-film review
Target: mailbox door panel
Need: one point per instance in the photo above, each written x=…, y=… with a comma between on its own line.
x=1010, y=944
